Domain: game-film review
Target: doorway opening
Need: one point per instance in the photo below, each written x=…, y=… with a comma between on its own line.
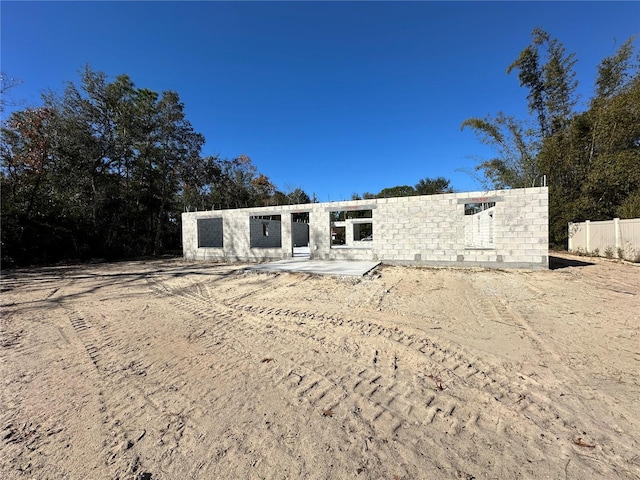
x=300, y=234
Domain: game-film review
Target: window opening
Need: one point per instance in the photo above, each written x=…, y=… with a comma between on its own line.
x=338, y=235
x=301, y=217
x=342, y=215
x=265, y=231
x=210, y=233
x=473, y=208
x=362, y=232
x=351, y=227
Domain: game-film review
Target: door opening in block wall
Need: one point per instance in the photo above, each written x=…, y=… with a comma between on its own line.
x=479, y=225
x=300, y=234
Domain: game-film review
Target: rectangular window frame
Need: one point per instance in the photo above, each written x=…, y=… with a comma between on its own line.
x=210, y=232
x=346, y=225
x=263, y=228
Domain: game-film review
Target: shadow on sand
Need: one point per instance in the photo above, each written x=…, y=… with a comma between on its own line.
x=556, y=263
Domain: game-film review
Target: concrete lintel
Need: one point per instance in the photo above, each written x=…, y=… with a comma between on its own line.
x=350, y=208
x=480, y=200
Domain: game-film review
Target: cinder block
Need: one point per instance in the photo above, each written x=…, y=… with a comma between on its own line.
x=433, y=227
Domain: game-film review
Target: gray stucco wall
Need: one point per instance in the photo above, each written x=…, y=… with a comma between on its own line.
x=420, y=230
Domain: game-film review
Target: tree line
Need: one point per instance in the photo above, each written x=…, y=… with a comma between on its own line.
x=591, y=158
x=426, y=186
x=105, y=169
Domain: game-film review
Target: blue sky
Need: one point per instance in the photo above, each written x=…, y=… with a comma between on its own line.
x=331, y=97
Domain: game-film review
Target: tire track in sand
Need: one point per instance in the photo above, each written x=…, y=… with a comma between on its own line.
x=443, y=393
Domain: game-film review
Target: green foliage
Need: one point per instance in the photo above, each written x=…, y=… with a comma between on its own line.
x=613, y=72
x=630, y=208
x=105, y=169
x=298, y=196
x=399, y=191
x=433, y=186
x=590, y=158
x=551, y=84
x=279, y=198
x=426, y=186
x=515, y=164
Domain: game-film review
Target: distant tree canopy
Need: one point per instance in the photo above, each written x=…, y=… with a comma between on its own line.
x=105, y=169
x=426, y=186
x=398, y=191
x=433, y=186
x=591, y=159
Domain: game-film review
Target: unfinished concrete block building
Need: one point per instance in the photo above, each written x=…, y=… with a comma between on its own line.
x=500, y=229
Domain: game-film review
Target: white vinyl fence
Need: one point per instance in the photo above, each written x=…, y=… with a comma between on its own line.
x=611, y=238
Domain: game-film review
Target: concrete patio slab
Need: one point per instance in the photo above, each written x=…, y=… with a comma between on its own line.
x=320, y=267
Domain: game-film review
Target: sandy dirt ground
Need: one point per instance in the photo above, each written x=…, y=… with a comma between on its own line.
x=176, y=370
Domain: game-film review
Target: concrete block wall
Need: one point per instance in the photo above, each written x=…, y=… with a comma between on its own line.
x=419, y=230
